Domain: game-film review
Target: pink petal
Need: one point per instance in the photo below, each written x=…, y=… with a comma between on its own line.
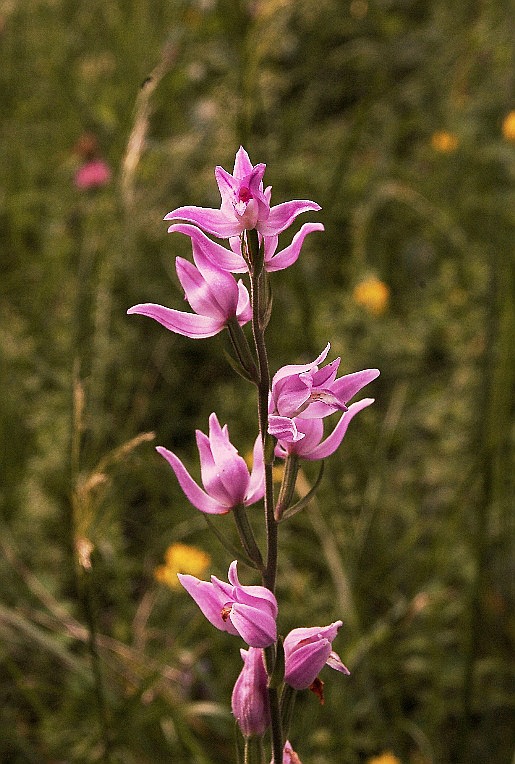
x=242, y=164
x=209, y=599
x=194, y=493
x=255, y=626
x=209, y=473
x=323, y=403
x=231, y=467
x=283, y=215
x=334, y=661
x=244, y=308
x=256, y=488
x=346, y=387
x=283, y=428
x=304, y=664
x=228, y=187
x=313, y=430
x=213, y=221
x=251, y=595
x=311, y=634
x=288, y=256
x=331, y=443
x=216, y=253
x=286, y=371
x=197, y=290
x=187, y=324
x=222, y=286
x=325, y=376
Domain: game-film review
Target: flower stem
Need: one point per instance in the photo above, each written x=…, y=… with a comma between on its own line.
x=247, y=537
x=287, y=491
x=242, y=350
x=259, y=312
x=288, y=697
x=254, y=752
x=276, y=726
x=257, y=272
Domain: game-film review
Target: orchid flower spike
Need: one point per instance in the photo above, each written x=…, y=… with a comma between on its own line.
x=224, y=473
x=310, y=446
x=245, y=204
x=249, y=611
x=249, y=700
x=307, y=651
x=212, y=293
x=307, y=392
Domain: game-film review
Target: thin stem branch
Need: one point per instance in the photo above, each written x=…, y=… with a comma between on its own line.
x=259, y=320
x=263, y=389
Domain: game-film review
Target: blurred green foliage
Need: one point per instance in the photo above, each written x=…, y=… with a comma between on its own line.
x=392, y=114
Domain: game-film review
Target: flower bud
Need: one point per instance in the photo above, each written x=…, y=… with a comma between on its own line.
x=249, y=697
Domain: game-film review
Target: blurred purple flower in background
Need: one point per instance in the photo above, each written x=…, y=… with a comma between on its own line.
x=92, y=174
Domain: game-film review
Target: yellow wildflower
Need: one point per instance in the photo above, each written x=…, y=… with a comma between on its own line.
x=508, y=126
x=384, y=758
x=372, y=294
x=181, y=558
x=444, y=142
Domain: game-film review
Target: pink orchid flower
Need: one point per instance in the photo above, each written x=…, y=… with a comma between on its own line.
x=245, y=205
x=249, y=700
x=225, y=475
x=310, y=446
x=249, y=611
x=307, y=651
x=307, y=392
x=212, y=293
x=232, y=260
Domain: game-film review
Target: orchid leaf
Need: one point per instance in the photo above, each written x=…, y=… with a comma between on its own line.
x=299, y=505
x=238, y=367
x=228, y=545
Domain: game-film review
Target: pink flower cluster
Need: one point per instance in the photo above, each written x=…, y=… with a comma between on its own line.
x=208, y=285
x=300, y=398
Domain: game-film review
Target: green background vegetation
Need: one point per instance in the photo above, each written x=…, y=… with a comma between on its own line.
x=410, y=540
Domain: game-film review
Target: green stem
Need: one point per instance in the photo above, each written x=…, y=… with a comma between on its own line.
x=87, y=596
x=242, y=349
x=276, y=726
x=254, y=751
x=247, y=537
x=291, y=469
x=259, y=311
x=288, y=698
x=256, y=273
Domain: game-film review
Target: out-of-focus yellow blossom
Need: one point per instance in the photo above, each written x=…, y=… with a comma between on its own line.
x=372, y=294
x=508, y=126
x=278, y=472
x=444, y=142
x=384, y=758
x=181, y=558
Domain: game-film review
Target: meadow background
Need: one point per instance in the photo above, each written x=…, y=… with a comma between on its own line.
x=394, y=115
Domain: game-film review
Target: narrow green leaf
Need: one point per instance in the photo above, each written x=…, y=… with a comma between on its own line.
x=305, y=499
